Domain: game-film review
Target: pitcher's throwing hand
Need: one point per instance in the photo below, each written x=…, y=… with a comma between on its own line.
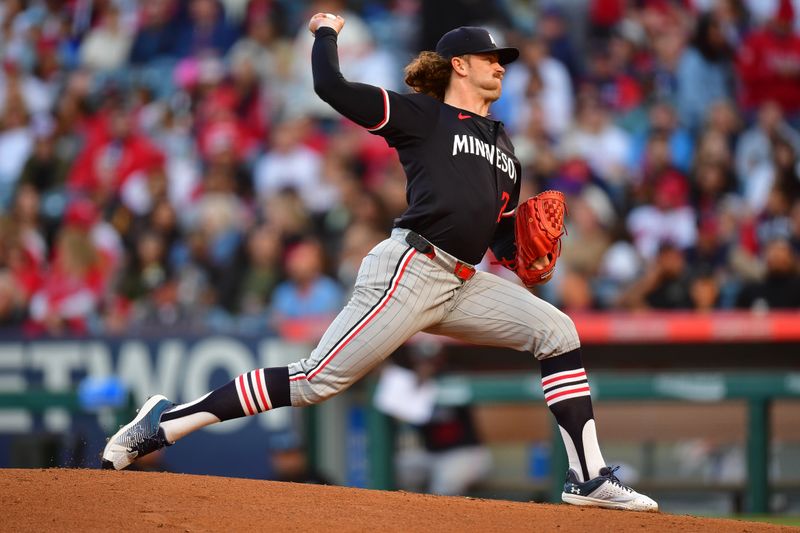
x=327, y=20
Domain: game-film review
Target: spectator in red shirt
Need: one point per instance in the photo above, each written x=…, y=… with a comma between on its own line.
x=73, y=287
x=234, y=110
x=604, y=15
x=21, y=270
x=769, y=64
x=112, y=157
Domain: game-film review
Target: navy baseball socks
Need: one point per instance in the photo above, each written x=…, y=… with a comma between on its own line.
x=161, y=423
x=589, y=481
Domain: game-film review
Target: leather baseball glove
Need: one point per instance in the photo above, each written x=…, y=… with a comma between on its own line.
x=538, y=228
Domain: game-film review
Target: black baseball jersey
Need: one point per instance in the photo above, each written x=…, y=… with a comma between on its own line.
x=461, y=169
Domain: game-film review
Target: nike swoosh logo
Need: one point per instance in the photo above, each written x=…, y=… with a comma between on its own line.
x=462, y=116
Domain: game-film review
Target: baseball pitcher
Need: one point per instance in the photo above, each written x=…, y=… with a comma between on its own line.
x=463, y=190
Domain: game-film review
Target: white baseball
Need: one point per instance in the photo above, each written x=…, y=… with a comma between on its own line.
x=330, y=16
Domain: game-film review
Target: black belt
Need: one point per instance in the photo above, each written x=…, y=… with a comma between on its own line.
x=462, y=271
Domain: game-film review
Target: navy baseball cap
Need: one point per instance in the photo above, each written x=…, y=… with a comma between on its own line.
x=472, y=40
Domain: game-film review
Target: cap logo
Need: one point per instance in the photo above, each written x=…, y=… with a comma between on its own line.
x=491, y=38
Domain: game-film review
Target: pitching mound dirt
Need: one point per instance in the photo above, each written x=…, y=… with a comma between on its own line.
x=88, y=500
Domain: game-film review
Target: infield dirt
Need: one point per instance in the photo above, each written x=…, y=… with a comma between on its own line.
x=93, y=500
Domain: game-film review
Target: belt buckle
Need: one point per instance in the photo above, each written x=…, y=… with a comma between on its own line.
x=463, y=271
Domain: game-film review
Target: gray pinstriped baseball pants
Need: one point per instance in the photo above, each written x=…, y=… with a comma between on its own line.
x=399, y=292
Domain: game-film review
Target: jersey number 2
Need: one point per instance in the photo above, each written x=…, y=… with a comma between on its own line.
x=505, y=197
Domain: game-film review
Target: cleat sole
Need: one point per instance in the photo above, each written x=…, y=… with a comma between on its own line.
x=574, y=499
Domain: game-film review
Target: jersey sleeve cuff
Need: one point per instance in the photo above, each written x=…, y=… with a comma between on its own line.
x=325, y=30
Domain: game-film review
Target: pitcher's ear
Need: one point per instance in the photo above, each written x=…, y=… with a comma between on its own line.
x=459, y=64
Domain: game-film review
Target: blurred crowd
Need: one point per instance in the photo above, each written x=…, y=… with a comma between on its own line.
x=166, y=163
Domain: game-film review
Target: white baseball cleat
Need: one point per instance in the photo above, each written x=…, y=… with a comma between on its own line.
x=141, y=436
x=606, y=491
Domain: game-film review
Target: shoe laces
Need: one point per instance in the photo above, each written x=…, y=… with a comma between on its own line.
x=613, y=479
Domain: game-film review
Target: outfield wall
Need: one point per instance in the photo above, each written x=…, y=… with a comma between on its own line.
x=185, y=366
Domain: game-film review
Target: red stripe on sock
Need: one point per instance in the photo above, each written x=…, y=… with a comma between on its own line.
x=242, y=384
x=566, y=376
x=565, y=392
x=261, y=390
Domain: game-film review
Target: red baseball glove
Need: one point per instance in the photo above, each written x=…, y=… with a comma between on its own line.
x=539, y=226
